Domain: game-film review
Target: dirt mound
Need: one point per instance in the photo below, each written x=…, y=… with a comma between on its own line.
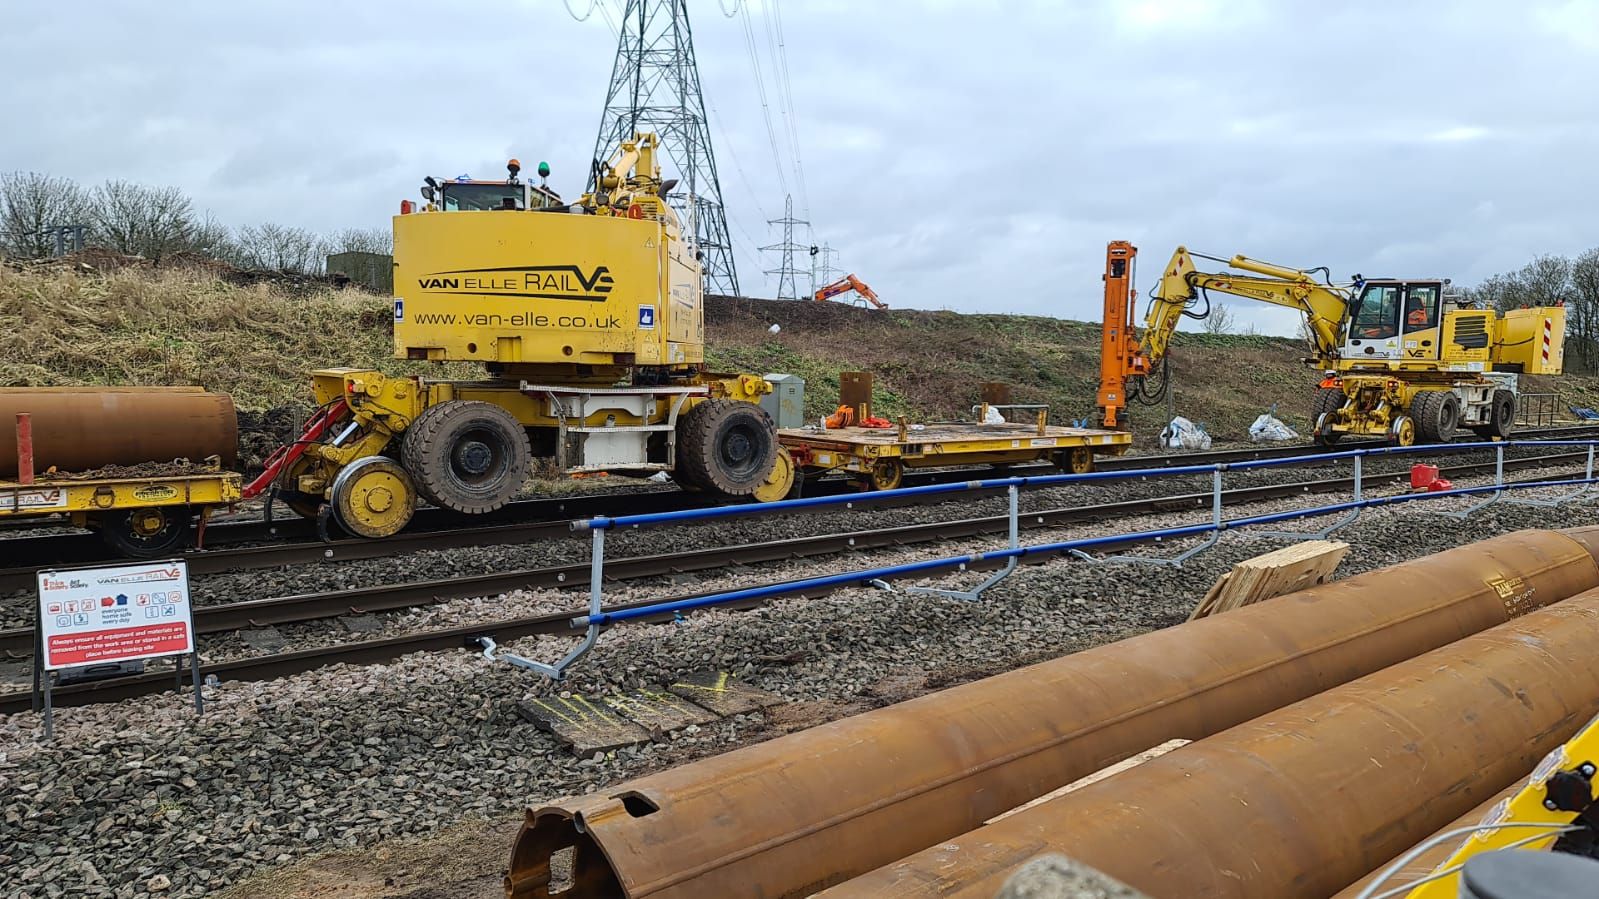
x=261, y=433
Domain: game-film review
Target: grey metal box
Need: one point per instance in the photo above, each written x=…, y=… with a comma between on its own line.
x=786, y=402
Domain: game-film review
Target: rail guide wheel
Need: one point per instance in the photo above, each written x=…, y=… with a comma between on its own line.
x=373, y=497
x=886, y=474
x=782, y=483
x=467, y=456
x=145, y=533
x=726, y=446
x=1077, y=460
x=1402, y=432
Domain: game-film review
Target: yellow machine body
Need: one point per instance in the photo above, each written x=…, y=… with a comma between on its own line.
x=529, y=290
x=589, y=322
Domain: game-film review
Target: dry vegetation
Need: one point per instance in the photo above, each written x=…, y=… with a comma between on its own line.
x=187, y=326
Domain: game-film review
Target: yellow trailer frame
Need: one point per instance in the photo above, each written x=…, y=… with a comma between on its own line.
x=137, y=515
x=879, y=456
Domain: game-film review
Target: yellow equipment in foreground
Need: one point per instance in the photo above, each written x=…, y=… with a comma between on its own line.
x=589, y=321
x=1402, y=359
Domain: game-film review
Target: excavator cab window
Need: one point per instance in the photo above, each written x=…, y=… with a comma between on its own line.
x=1377, y=316
x=462, y=196
x=1421, y=307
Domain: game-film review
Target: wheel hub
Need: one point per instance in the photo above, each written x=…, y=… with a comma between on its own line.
x=737, y=448
x=147, y=522
x=472, y=457
x=379, y=499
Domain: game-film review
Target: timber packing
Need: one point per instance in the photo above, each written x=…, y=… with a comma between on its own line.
x=517, y=541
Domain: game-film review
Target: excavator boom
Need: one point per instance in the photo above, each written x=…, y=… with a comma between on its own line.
x=1181, y=285
x=845, y=285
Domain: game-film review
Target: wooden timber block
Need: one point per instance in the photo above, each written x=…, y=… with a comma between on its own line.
x=722, y=693
x=1101, y=774
x=1276, y=573
x=657, y=711
x=587, y=726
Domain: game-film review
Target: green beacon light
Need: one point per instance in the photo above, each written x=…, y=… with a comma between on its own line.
x=544, y=170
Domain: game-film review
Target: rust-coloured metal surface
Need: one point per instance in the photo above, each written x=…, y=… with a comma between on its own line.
x=1304, y=800
x=78, y=429
x=1433, y=857
x=811, y=809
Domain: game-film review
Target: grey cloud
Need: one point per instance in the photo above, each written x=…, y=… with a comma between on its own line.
x=970, y=156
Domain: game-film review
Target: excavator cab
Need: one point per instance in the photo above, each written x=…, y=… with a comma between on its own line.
x=1394, y=320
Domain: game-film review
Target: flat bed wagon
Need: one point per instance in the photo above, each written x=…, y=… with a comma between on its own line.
x=878, y=457
x=138, y=515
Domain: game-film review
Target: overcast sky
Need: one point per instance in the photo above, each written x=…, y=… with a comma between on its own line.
x=958, y=155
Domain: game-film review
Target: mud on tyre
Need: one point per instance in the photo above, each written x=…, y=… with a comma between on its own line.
x=466, y=456
x=725, y=446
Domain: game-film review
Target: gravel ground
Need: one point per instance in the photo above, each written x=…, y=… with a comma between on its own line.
x=141, y=798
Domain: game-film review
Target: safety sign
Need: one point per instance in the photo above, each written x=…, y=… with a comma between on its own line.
x=91, y=616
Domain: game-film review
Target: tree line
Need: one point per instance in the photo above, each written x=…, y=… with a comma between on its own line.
x=157, y=223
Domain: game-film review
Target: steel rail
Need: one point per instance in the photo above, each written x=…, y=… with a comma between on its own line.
x=82, y=548
x=312, y=606
x=537, y=525
x=293, y=609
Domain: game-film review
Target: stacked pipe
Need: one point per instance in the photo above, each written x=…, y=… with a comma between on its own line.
x=1305, y=800
x=794, y=815
x=76, y=429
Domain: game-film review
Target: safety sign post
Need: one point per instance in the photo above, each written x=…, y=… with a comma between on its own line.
x=103, y=615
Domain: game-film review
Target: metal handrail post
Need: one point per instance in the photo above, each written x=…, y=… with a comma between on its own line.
x=1212, y=536
x=1011, y=563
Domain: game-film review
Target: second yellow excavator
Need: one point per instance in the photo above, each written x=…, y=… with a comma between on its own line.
x=1402, y=359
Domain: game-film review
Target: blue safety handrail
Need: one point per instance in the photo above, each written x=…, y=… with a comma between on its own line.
x=999, y=555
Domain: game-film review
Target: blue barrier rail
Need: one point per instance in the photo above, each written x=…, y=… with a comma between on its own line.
x=596, y=619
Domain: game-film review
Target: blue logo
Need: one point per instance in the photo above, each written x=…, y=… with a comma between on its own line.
x=122, y=599
x=646, y=317
x=399, y=310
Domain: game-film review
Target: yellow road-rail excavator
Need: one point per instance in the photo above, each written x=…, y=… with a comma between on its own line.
x=1401, y=359
x=588, y=321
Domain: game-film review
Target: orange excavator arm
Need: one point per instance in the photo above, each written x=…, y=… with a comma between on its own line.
x=847, y=284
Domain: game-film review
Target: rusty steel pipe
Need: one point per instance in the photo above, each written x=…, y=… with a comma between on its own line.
x=76, y=429
x=24, y=448
x=811, y=809
x=1304, y=800
x=1423, y=864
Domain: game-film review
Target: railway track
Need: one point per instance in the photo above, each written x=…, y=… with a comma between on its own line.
x=522, y=521
x=222, y=618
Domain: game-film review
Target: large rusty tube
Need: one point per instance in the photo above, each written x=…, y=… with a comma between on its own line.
x=1302, y=801
x=1424, y=864
x=799, y=813
x=76, y=429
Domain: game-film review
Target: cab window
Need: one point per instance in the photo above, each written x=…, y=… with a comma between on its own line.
x=1377, y=318
x=1421, y=307
x=462, y=196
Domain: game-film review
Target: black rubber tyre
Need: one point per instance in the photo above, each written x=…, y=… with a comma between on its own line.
x=1326, y=401
x=725, y=446
x=146, y=533
x=1501, y=416
x=466, y=456
x=1437, y=415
